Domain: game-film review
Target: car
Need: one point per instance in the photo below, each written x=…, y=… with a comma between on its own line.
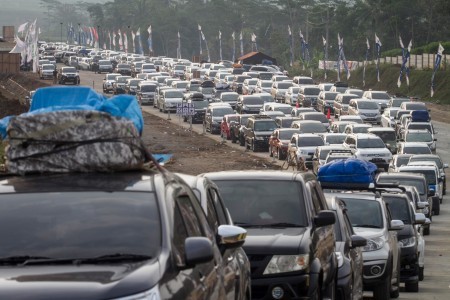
x=281, y=107
x=279, y=142
x=249, y=104
x=339, y=126
x=200, y=105
x=349, y=281
x=339, y=87
x=279, y=89
x=379, y=97
x=315, y=116
x=399, y=160
x=108, y=81
x=119, y=84
x=146, y=92
x=308, y=95
x=388, y=117
x=420, y=135
x=68, y=74
x=340, y=104
x=285, y=122
x=291, y=96
x=433, y=158
x=298, y=110
x=325, y=102
x=237, y=83
x=331, y=138
x=325, y=86
x=235, y=263
x=237, y=129
x=401, y=208
x=46, y=71
x=370, y=148
x=131, y=85
x=413, y=148
x=413, y=105
x=249, y=86
x=84, y=63
x=123, y=69
x=164, y=239
x=396, y=102
x=411, y=179
x=303, y=80
x=370, y=218
x=273, y=114
x=368, y=110
x=302, y=147
x=320, y=155
x=230, y=98
x=416, y=125
x=354, y=91
x=105, y=65
x=214, y=115
x=356, y=119
x=388, y=135
x=309, y=126
x=169, y=100
x=263, y=86
x=257, y=132
x=357, y=128
x=290, y=242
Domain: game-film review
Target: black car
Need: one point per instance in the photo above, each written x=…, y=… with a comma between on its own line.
x=137, y=234
x=401, y=208
x=200, y=104
x=257, y=132
x=290, y=239
x=123, y=69
x=237, y=129
x=68, y=75
x=349, y=279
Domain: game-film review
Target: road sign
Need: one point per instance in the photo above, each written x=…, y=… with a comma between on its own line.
x=185, y=109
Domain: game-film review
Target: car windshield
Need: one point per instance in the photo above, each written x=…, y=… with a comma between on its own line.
x=416, y=149
x=284, y=85
x=311, y=141
x=251, y=202
x=111, y=76
x=244, y=119
x=436, y=159
x=399, y=208
x=207, y=90
x=104, y=63
x=70, y=70
x=229, y=97
x=222, y=111
x=316, y=116
x=424, y=136
x=148, y=88
x=415, y=106
x=135, y=82
x=286, y=134
x=380, y=96
x=266, y=98
x=401, y=161
x=122, y=79
x=311, y=91
x=80, y=224
x=194, y=87
x=241, y=79
x=335, y=138
x=312, y=128
x=200, y=104
x=371, y=143
x=364, y=213
x=426, y=126
x=386, y=136
x=123, y=66
x=285, y=110
x=430, y=175
x=305, y=81
x=268, y=125
x=360, y=129
x=286, y=123
x=367, y=105
x=181, y=85
x=48, y=67
x=173, y=94
x=330, y=95
x=252, y=101
x=418, y=183
x=346, y=98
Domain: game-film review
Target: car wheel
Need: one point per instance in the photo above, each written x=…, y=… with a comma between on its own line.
x=436, y=208
x=412, y=287
x=331, y=290
x=426, y=230
x=395, y=289
x=253, y=146
x=421, y=273
x=382, y=291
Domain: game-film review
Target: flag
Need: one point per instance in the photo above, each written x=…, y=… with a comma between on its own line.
x=342, y=55
x=304, y=49
x=125, y=41
x=200, y=38
x=325, y=58
x=254, y=42
x=149, y=40
x=114, y=39
x=110, y=40
x=378, y=48
x=291, y=48
x=120, y=40
x=234, y=46
x=138, y=36
x=133, y=37
x=22, y=27
x=206, y=45
x=437, y=63
x=179, y=46
x=404, y=69
x=220, y=45
x=19, y=47
x=339, y=59
x=242, y=44
x=365, y=62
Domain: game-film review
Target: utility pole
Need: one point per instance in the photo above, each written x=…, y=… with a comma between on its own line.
x=79, y=34
x=61, y=30
x=327, y=28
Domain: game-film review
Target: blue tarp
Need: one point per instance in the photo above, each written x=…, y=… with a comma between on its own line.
x=81, y=98
x=351, y=170
x=420, y=116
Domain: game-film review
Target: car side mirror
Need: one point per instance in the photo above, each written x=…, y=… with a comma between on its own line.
x=325, y=218
x=419, y=218
x=396, y=225
x=231, y=236
x=358, y=241
x=197, y=250
x=422, y=205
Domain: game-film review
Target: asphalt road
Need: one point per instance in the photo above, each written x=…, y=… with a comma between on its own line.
x=436, y=285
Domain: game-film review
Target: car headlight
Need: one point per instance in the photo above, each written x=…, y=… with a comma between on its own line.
x=287, y=263
x=374, y=244
x=152, y=294
x=340, y=258
x=409, y=242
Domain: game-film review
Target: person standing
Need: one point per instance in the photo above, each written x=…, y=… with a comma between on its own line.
x=55, y=76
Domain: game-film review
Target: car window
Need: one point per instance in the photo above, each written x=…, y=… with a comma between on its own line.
x=179, y=236
x=317, y=202
x=189, y=216
x=364, y=213
x=218, y=205
x=211, y=214
x=399, y=208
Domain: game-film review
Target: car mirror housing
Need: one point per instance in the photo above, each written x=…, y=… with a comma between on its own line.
x=197, y=250
x=358, y=241
x=422, y=205
x=396, y=225
x=325, y=218
x=231, y=236
x=419, y=218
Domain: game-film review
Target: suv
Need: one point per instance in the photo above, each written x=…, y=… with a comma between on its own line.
x=371, y=219
x=303, y=145
x=146, y=92
x=369, y=147
x=325, y=102
x=379, y=97
x=249, y=104
x=108, y=82
x=237, y=129
x=68, y=74
x=257, y=132
x=214, y=115
x=387, y=134
x=290, y=242
x=92, y=251
x=401, y=208
x=341, y=104
x=368, y=110
x=437, y=159
x=105, y=65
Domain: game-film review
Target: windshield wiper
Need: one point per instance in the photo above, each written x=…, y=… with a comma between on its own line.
x=367, y=226
x=12, y=260
x=91, y=260
x=284, y=224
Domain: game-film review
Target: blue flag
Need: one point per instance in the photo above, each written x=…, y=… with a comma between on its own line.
x=405, y=57
x=437, y=63
x=378, y=47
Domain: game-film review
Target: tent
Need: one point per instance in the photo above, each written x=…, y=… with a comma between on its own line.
x=255, y=58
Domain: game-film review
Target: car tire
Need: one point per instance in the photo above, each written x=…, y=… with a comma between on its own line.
x=396, y=292
x=382, y=291
x=280, y=155
x=436, y=208
x=233, y=138
x=426, y=230
x=412, y=287
x=421, y=273
x=253, y=146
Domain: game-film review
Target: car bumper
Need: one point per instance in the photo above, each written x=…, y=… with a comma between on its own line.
x=294, y=287
x=371, y=120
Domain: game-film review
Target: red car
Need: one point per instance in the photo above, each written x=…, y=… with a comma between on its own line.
x=279, y=142
x=225, y=125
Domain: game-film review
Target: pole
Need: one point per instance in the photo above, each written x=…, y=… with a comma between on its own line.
x=61, y=30
x=79, y=35
x=98, y=33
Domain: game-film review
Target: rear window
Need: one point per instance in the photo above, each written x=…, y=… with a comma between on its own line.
x=364, y=213
x=259, y=207
x=268, y=125
x=417, y=182
x=310, y=141
x=252, y=101
x=399, y=208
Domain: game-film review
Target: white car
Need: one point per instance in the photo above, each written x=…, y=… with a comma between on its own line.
x=369, y=147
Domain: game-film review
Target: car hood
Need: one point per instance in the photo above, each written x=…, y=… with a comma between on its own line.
x=263, y=133
x=69, y=74
x=368, y=232
x=78, y=281
x=274, y=240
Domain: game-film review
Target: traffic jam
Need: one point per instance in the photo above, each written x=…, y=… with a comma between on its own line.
x=345, y=218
